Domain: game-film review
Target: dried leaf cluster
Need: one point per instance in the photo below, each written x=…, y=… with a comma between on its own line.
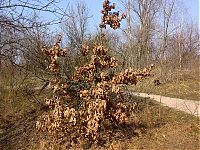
x=82, y=103
x=112, y=19
x=54, y=53
x=79, y=107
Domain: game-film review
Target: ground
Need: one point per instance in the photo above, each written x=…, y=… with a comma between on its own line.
x=156, y=127
x=184, y=89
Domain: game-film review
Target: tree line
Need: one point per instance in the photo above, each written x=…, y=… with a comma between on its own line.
x=155, y=32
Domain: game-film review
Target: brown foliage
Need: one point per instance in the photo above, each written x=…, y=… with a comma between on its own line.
x=112, y=19
x=70, y=123
x=92, y=95
x=54, y=53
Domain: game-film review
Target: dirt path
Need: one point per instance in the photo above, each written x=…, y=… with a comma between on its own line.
x=188, y=106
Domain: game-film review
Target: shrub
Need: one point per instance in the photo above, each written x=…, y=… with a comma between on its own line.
x=81, y=105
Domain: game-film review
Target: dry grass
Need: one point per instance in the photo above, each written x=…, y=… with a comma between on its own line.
x=185, y=87
x=166, y=129
x=156, y=127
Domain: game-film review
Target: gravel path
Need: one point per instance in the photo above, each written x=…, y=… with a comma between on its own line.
x=188, y=106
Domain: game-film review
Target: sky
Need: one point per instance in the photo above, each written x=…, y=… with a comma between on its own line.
x=95, y=6
x=192, y=7
x=191, y=10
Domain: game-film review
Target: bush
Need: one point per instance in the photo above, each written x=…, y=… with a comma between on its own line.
x=91, y=99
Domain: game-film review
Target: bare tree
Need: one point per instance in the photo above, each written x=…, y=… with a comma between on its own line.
x=168, y=7
x=75, y=27
x=19, y=17
x=141, y=24
x=75, y=30
x=16, y=11
x=183, y=47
